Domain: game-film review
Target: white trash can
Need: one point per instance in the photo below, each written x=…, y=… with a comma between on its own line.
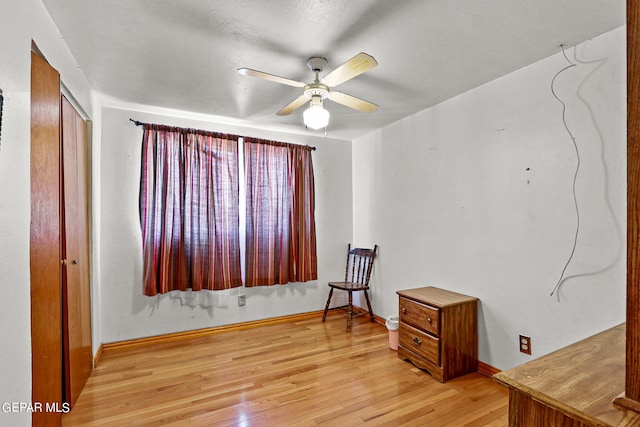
x=392, y=325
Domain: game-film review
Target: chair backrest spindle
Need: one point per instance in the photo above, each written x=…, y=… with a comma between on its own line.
x=346, y=269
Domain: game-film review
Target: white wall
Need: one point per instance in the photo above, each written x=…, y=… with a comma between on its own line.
x=474, y=195
x=20, y=22
x=15, y=353
x=126, y=313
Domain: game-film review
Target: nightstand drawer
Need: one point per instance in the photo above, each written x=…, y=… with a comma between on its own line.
x=420, y=343
x=420, y=315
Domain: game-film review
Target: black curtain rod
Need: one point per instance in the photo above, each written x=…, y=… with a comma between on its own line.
x=137, y=123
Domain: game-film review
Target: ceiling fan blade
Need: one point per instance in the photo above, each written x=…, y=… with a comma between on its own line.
x=354, y=67
x=294, y=105
x=353, y=102
x=270, y=77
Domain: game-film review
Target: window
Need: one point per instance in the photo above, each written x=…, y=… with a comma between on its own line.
x=190, y=211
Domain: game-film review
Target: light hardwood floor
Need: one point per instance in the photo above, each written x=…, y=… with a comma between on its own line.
x=299, y=373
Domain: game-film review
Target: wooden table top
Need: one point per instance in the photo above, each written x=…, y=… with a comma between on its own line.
x=580, y=380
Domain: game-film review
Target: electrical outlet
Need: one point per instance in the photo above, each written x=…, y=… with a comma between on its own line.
x=525, y=344
x=242, y=300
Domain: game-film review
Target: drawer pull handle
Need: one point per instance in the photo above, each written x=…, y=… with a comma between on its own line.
x=404, y=310
x=429, y=319
x=417, y=341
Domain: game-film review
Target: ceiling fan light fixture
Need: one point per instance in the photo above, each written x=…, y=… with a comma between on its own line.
x=316, y=117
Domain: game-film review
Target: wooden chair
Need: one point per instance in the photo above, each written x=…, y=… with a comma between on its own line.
x=356, y=278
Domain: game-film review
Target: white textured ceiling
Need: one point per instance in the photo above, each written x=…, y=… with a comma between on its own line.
x=183, y=54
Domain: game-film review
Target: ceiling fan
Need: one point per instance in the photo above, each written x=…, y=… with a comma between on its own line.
x=316, y=117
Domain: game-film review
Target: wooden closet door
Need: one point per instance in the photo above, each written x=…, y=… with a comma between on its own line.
x=61, y=356
x=76, y=297
x=45, y=235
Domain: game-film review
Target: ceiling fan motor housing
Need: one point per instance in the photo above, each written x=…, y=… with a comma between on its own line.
x=316, y=89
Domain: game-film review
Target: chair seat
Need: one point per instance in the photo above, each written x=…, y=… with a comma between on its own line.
x=349, y=286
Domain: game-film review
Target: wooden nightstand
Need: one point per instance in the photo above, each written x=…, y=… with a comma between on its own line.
x=439, y=331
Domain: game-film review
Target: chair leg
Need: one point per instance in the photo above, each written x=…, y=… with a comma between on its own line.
x=349, y=312
x=366, y=296
x=326, y=307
